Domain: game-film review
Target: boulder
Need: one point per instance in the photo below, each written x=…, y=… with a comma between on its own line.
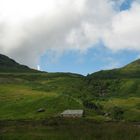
x=41, y=110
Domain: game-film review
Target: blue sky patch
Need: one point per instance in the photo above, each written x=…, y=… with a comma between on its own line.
x=126, y=5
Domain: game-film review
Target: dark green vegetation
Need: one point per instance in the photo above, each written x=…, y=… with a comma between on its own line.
x=105, y=96
x=9, y=65
x=69, y=130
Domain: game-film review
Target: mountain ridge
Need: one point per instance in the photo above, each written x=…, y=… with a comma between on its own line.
x=9, y=65
x=22, y=93
x=131, y=70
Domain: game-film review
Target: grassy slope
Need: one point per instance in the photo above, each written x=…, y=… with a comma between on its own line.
x=70, y=130
x=22, y=94
x=118, y=88
x=120, y=82
x=131, y=70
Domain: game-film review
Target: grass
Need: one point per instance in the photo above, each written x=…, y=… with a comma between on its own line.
x=110, y=96
x=22, y=102
x=129, y=106
x=70, y=130
x=22, y=94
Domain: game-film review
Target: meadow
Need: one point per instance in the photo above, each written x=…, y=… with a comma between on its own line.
x=111, y=106
x=58, y=129
x=21, y=95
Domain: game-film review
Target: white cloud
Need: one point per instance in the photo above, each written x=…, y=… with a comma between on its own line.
x=38, y=67
x=29, y=28
x=124, y=32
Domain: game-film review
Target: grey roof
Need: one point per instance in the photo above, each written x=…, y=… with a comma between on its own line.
x=72, y=112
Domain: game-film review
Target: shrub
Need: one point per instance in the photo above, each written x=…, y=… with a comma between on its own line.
x=117, y=113
x=94, y=106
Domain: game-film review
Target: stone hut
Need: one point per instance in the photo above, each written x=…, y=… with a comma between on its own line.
x=73, y=113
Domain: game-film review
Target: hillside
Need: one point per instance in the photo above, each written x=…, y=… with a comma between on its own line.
x=9, y=65
x=23, y=91
x=133, y=66
x=121, y=82
x=131, y=70
x=102, y=97
x=117, y=88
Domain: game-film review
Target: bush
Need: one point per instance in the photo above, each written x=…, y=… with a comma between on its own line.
x=117, y=113
x=94, y=106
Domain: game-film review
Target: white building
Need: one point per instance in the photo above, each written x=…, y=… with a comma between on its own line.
x=73, y=113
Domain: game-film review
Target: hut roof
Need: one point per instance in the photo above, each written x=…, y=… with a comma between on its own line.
x=71, y=112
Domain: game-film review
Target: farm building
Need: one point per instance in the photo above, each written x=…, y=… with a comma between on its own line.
x=73, y=113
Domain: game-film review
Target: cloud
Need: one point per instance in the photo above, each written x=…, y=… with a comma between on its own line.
x=38, y=67
x=29, y=28
x=26, y=34
x=125, y=30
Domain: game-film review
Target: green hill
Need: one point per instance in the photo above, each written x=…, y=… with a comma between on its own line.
x=23, y=91
x=9, y=65
x=105, y=95
x=134, y=65
x=131, y=70
x=122, y=82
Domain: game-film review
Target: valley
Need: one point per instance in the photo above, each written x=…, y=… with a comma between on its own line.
x=110, y=99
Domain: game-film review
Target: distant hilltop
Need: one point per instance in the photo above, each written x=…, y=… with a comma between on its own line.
x=131, y=70
x=9, y=65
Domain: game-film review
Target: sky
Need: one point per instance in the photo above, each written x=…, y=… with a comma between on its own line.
x=79, y=36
